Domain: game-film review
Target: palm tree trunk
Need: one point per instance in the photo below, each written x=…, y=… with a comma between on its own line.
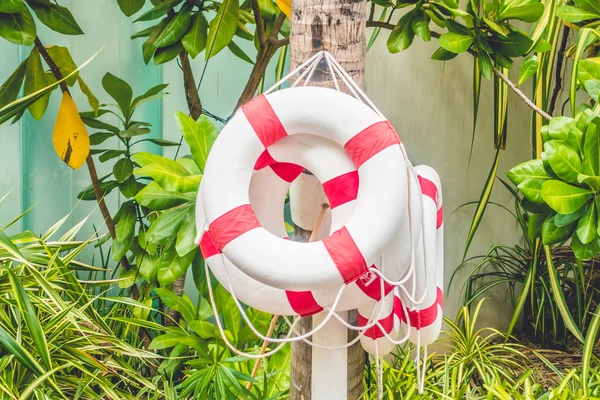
x=337, y=26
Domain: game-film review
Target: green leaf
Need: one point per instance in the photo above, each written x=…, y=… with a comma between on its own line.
x=420, y=25
x=57, y=18
x=167, y=173
x=135, y=129
x=129, y=188
x=168, y=340
x=167, y=224
x=144, y=32
x=166, y=54
x=588, y=349
x=528, y=68
x=149, y=47
x=534, y=225
x=194, y=41
x=591, y=151
x=171, y=266
x=532, y=189
x=585, y=251
x=575, y=14
x=239, y=53
x=228, y=310
x=92, y=100
x=588, y=224
x=559, y=128
x=589, y=5
x=442, y=54
x=8, y=343
x=62, y=58
x=158, y=11
x=567, y=219
x=528, y=12
x=533, y=169
x=564, y=198
x=515, y=44
x=205, y=330
x=125, y=229
x=186, y=235
x=110, y=154
x=588, y=70
x=35, y=79
x=586, y=37
x=18, y=28
x=176, y=28
x=99, y=137
x=559, y=297
x=222, y=28
x=402, y=35
x=182, y=305
x=130, y=7
x=123, y=169
x=156, y=198
x=120, y=91
x=565, y=161
x=484, y=198
x=9, y=91
x=592, y=87
x=150, y=93
x=87, y=194
x=552, y=233
x=12, y=6
x=199, y=135
x=29, y=315
x=455, y=42
x=592, y=181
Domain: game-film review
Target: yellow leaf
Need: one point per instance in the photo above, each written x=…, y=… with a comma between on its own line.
x=285, y=6
x=70, y=138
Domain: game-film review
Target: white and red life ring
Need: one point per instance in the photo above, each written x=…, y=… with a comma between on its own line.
x=421, y=318
x=274, y=171
x=345, y=255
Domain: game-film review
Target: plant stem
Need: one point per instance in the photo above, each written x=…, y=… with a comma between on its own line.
x=509, y=83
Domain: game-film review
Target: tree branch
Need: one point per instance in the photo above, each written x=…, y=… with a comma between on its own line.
x=266, y=51
x=525, y=99
x=189, y=84
x=260, y=25
x=558, y=72
x=499, y=74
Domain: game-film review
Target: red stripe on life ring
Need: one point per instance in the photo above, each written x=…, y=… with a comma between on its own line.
x=264, y=160
x=232, y=224
x=341, y=189
x=264, y=121
x=420, y=318
x=440, y=217
x=287, y=171
x=371, y=141
x=345, y=255
x=370, y=284
x=303, y=303
x=428, y=189
x=207, y=246
x=375, y=332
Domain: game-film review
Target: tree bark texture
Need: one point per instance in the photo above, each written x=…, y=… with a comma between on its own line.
x=337, y=26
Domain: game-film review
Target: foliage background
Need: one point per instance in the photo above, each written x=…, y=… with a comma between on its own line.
x=429, y=102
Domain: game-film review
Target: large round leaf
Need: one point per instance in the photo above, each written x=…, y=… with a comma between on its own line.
x=552, y=233
x=564, y=198
x=565, y=161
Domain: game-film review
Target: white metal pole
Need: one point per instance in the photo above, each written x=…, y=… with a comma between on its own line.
x=330, y=367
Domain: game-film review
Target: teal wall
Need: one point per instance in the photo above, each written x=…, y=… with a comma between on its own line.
x=28, y=164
